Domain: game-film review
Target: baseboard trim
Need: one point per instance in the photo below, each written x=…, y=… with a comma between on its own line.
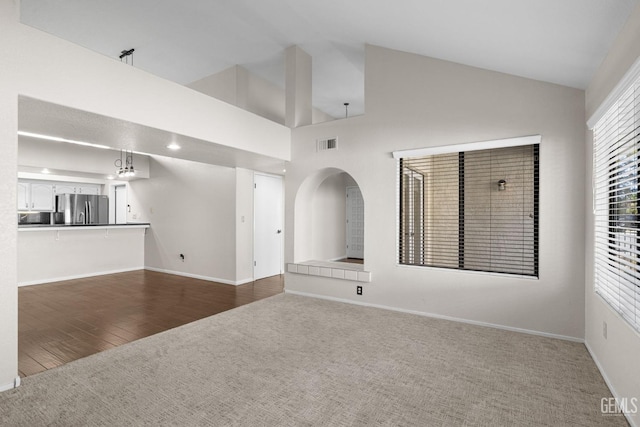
x=197, y=276
x=78, y=276
x=14, y=384
x=608, y=382
x=160, y=270
x=439, y=316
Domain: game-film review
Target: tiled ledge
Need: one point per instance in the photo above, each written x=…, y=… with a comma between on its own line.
x=335, y=270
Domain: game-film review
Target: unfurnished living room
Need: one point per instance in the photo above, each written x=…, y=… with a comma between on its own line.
x=287, y=213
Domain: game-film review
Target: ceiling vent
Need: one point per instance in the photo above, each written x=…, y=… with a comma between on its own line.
x=327, y=144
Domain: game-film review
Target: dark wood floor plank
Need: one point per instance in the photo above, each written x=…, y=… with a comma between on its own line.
x=64, y=321
x=29, y=366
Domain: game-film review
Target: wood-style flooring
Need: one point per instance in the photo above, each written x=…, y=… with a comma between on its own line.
x=352, y=260
x=64, y=321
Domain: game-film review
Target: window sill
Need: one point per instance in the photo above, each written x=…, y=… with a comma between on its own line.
x=456, y=270
x=330, y=269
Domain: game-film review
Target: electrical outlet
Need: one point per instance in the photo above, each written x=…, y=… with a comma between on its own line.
x=604, y=330
x=358, y=290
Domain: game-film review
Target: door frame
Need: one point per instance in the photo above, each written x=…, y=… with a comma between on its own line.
x=350, y=227
x=282, y=211
x=115, y=201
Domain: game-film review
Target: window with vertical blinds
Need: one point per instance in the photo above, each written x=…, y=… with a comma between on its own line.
x=616, y=177
x=471, y=210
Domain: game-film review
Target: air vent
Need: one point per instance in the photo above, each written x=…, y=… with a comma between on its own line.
x=327, y=144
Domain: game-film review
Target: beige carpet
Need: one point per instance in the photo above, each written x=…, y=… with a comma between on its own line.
x=295, y=361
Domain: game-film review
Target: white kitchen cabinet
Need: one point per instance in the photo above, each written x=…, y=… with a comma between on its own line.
x=65, y=189
x=35, y=196
x=24, y=198
x=41, y=196
x=88, y=189
x=77, y=188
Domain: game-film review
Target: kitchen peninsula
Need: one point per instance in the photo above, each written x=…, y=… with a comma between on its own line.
x=49, y=253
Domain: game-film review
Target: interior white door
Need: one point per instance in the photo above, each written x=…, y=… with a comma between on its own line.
x=355, y=223
x=267, y=235
x=121, y=204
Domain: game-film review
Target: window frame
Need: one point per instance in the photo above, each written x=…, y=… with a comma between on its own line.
x=534, y=140
x=616, y=190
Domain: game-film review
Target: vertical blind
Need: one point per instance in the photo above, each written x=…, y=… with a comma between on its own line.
x=455, y=213
x=616, y=186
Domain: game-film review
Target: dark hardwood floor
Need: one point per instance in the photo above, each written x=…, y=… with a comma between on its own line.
x=352, y=260
x=64, y=321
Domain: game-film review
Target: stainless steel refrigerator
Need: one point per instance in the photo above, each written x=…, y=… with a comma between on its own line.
x=82, y=209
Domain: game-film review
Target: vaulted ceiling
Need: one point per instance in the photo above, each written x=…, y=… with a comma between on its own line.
x=558, y=41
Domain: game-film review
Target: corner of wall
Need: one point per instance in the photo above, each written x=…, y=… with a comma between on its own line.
x=612, y=343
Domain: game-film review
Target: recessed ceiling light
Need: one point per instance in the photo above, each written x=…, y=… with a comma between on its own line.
x=284, y=170
x=45, y=170
x=173, y=146
x=58, y=139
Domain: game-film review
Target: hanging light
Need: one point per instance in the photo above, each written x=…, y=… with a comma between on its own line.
x=129, y=167
x=125, y=54
x=119, y=166
x=124, y=165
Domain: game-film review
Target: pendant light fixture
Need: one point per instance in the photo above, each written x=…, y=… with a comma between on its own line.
x=124, y=165
x=126, y=54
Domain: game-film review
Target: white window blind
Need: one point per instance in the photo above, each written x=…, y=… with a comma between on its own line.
x=471, y=210
x=616, y=187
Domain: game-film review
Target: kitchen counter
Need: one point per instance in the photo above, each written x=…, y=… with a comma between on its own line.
x=55, y=227
x=50, y=253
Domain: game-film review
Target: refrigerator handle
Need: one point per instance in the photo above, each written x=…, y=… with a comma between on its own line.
x=90, y=218
x=82, y=216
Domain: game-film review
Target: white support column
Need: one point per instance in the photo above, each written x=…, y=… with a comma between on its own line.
x=297, y=87
x=9, y=19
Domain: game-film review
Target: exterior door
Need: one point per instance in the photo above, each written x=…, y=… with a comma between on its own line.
x=268, y=221
x=355, y=223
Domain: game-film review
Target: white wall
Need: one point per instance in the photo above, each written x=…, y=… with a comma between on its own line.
x=244, y=225
x=222, y=85
x=9, y=16
x=618, y=354
x=329, y=210
x=74, y=158
x=43, y=67
x=412, y=102
x=191, y=208
x=239, y=87
x=47, y=256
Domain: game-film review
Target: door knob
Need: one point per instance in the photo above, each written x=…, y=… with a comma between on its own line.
x=279, y=231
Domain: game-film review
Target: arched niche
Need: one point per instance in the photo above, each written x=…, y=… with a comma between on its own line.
x=320, y=217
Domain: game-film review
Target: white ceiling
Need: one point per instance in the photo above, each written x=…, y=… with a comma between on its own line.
x=49, y=119
x=558, y=41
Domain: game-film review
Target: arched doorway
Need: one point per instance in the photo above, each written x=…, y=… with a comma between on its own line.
x=329, y=218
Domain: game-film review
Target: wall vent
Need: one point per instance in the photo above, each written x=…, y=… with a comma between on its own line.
x=327, y=144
